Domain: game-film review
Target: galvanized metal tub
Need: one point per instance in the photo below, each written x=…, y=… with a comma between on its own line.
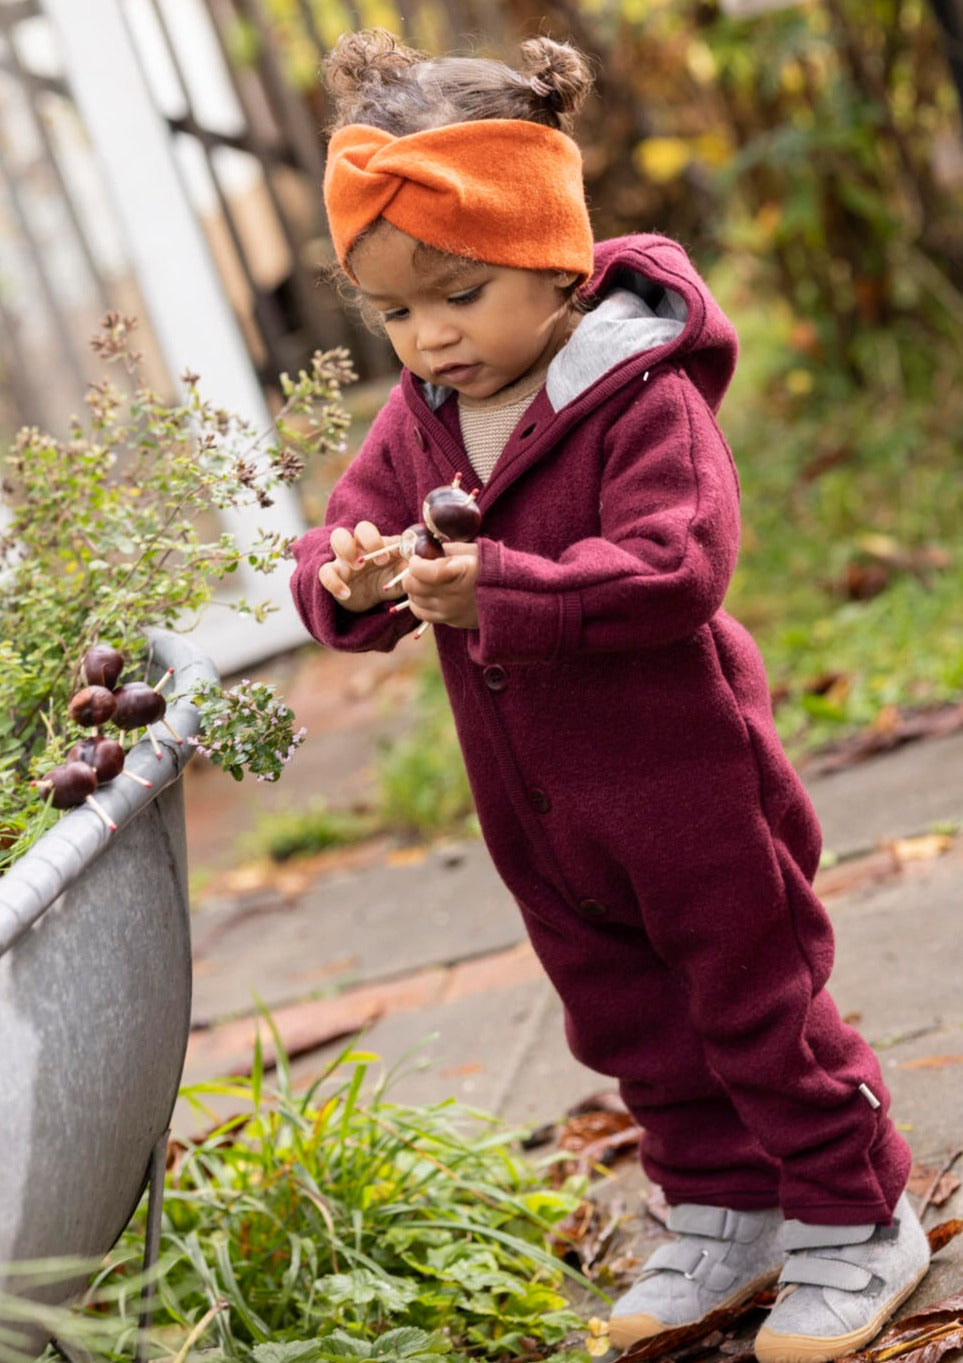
x=95, y=992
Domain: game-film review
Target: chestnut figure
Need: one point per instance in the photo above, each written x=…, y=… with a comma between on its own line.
x=107, y=757
x=74, y=784
x=102, y=666
x=418, y=539
x=70, y=784
x=94, y=705
x=451, y=513
x=137, y=704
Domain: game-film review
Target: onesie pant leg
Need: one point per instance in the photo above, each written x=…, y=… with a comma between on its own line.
x=753, y=947
x=731, y=1055
x=627, y=1016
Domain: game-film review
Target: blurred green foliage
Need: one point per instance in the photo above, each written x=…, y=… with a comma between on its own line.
x=818, y=139
x=810, y=158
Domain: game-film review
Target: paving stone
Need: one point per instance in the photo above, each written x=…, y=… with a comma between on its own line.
x=354, y=926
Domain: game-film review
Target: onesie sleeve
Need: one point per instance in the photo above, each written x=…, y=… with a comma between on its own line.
x=662, y=561
x=369, y=490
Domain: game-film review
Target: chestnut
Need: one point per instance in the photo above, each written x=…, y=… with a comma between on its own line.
x=102, y=666
x=451, y=513
x=105, y=755
x=137, y=704
x=418, y=539
x=140, y=705
x=69, y=784
x=74, y=784
x=93, y=705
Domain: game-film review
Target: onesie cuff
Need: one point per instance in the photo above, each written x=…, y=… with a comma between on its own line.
x=518, y=623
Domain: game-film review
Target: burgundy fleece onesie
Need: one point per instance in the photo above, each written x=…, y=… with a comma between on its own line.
x=631, y=788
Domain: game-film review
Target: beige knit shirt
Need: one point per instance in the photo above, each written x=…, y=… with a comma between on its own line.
x=486, y=423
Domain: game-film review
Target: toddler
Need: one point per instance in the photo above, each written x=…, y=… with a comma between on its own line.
x=615, y=721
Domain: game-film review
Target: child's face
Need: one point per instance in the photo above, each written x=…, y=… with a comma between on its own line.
x=472, y=327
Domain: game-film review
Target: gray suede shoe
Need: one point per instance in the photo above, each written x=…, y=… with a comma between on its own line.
x=721, y=1258
x=842, y=1283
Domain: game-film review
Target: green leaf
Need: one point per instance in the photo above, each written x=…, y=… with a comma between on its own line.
x=291, y=1351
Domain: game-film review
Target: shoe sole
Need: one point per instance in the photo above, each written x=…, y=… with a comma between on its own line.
x=772, y=1347
x=624, y=1331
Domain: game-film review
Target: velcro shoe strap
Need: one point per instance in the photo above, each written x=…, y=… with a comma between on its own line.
x=718, y=1223
x=688, y=1218
x=819, y=1272
x=698, y=1264
x=799, y=1235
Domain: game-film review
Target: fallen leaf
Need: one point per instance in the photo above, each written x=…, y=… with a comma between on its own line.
x=882, y=547
x=863, y=581
x=936, y=1185
x=925, y=848
x=923, y=1337
x=597, y=1342
x=833, y=686
x=605, y=1100
x=249, y=876
x=570, y=1234
x=887, y=720
x=590, y=1129
x=931, y=1062
x=406, y=856
x=941, y=1235
x=593, y=1139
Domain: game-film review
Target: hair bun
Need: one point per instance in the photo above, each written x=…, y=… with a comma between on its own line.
x=367, y=58
x=557, y=73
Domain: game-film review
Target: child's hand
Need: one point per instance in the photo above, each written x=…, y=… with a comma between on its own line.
x=442, y=590
x=359, y=586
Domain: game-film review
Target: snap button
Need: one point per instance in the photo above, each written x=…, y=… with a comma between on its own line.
x=496, y=678
x=539, y=800
x=591, y=908
x=420, y=439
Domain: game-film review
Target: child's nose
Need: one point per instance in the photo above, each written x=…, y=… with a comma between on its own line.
x=435, y=331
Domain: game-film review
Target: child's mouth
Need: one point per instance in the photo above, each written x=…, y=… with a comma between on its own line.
x=454, y=374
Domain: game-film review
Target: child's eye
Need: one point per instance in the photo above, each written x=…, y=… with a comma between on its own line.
x=394, y=315
x=469, y=296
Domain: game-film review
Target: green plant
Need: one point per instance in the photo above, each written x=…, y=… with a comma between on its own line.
x=114, y=528
x=314, y=828
x=332, y=1225
x=422, y=784
x=850, y=571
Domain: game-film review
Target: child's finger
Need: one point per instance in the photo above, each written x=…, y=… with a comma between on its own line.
x=428, y=572
x=370, y=542
x=343, y=544
x=436, y=572
x=333, y=577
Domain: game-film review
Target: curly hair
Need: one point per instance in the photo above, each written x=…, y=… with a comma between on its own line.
x=374, y=78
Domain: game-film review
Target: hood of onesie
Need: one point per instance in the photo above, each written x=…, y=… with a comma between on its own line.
x=648, y=304
x=651, y=301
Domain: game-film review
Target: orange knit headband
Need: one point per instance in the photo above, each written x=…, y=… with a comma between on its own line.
x=504, y=191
